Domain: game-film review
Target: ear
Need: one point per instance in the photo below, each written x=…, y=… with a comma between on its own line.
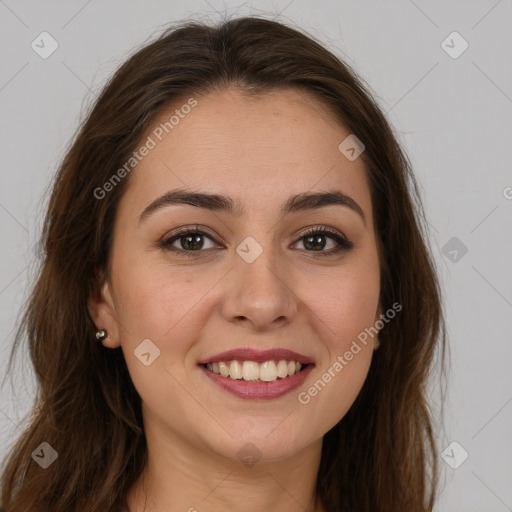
x=102, y=310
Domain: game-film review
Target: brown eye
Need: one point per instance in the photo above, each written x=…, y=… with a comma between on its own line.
x=316, y=240
x=191, y=242
x=188, y=241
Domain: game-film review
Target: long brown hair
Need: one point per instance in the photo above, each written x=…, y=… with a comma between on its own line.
x=381, y=456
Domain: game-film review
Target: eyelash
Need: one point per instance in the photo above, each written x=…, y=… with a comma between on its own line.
x=343, y=243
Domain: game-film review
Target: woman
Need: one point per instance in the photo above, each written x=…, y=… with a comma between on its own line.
x=236, y=308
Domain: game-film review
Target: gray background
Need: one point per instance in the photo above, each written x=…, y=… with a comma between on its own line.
x=451, y=114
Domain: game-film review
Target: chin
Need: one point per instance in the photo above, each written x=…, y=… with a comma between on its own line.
x=259, y=446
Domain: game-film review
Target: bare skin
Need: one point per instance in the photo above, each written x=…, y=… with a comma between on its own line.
x=259, y=151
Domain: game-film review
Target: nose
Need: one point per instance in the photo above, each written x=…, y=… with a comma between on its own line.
x=259, y=294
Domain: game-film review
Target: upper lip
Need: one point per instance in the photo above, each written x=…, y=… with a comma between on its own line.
x=258, y=356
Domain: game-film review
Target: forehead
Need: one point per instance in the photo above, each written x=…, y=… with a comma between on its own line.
x=258, y=149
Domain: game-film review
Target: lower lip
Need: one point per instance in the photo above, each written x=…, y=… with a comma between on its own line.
x=259, y=390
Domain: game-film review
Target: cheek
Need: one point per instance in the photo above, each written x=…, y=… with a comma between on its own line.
x=155, y=301
x=330, y=396
x=347, y=302
x=153, y=298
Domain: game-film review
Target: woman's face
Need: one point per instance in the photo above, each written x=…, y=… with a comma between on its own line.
x=256, y=277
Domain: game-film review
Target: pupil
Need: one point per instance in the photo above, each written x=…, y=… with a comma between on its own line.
x=315, y=242
x=192, y=242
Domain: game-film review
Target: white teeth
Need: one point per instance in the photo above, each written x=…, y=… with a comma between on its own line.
x=235, y=370
x=250, y=370
x=224, y=369
x=268, y=371
x=282, y=369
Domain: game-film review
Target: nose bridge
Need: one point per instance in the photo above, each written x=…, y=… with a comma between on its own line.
x=258, y=291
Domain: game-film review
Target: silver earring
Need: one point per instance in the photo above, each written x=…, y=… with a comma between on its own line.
x=101, y=335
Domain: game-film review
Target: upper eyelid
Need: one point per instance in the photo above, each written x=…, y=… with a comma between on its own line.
x=191, y=230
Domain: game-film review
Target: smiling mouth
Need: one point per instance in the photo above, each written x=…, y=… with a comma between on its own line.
x=251, y=371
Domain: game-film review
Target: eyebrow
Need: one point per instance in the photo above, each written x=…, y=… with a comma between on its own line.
x=306, y=201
